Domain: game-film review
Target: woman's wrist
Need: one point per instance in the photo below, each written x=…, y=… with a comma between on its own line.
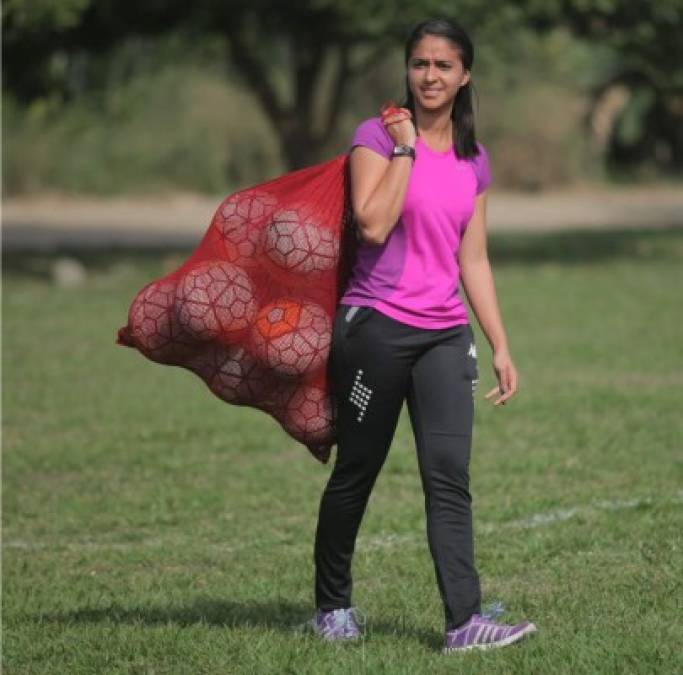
x=499, y=345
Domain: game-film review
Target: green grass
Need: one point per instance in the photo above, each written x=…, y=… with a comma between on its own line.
x=151, y=528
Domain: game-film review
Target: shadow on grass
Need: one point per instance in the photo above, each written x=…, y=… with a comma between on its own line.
x=564, y=247
x=285, y=617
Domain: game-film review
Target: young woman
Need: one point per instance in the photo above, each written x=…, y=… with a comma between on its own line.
x=418, y=181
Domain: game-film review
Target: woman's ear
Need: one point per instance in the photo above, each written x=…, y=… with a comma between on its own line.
x=465, y=78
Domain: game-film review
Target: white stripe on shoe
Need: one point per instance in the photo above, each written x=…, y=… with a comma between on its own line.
x=509, y=638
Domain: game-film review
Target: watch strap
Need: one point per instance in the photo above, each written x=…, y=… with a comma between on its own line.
x=403, y=150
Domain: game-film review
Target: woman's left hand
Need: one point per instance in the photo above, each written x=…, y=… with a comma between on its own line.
x=507, y=377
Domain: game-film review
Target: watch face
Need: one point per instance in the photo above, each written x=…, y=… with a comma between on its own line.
x=401, y=150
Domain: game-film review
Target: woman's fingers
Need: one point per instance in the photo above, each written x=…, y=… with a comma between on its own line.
x=501, y=399
x=390, y=108
x=506, y=389
x=504, y=397
x=512, y=381
x=392, y=114
x=493, y=392
x=396, y=117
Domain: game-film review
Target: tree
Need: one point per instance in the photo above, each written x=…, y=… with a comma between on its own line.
x=308, y=39
x=306, y=36
x=647, y=121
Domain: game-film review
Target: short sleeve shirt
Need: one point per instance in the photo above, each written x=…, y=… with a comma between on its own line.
x=414, y=277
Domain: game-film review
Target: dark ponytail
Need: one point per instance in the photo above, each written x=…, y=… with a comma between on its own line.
x=463, y=113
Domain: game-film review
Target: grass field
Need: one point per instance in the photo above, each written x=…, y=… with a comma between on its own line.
x=150, y=528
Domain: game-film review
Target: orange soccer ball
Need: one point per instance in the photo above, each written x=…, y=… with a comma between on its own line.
x=292, y=337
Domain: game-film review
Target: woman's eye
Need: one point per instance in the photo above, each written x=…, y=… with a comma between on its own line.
x=421, y=64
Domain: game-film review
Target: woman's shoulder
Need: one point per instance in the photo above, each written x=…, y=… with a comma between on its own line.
x=372, y=133
x=372, y=124
x=482, y=168
x=482, y=154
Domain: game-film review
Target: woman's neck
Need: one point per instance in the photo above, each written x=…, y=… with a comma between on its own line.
x=435, y=126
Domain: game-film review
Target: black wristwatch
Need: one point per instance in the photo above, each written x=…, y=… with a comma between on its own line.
x=403, y=151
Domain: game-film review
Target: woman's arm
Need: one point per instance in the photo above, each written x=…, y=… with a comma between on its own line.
x=477, y=280
x=378, y=184
x=378, y=189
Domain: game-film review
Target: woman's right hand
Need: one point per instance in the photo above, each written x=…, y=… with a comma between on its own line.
x=399, y=124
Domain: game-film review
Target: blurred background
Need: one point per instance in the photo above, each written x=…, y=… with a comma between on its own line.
x=135, y=503
x=102, y=97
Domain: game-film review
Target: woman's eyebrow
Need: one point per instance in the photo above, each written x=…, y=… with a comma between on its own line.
x=420, y=58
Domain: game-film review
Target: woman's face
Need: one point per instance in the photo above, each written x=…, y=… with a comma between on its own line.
x=435, y=72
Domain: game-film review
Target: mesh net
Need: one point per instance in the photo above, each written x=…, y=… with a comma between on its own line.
x=251, y=310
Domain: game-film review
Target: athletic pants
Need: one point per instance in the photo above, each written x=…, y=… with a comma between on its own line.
x=376, y=363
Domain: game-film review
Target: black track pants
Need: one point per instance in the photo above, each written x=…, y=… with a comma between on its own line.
x=376, y=363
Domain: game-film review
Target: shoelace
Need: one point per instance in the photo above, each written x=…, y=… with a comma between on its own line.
x=341, y=619
x=493, y=610
x=488, y=615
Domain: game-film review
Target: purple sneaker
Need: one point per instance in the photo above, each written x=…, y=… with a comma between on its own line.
x=482, y=632
x=337, y=624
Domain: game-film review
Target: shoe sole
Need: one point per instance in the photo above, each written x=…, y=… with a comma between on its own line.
x=307, y=628
x=342, y=640
x=528, y=630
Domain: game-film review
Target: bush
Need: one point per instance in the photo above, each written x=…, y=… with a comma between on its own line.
x=178, y=128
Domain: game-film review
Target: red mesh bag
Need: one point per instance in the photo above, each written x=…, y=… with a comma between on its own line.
x=251, y=310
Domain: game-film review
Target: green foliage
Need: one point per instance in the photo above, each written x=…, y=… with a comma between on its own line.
x=85, y=112
x=44, y=15
x=532, y=108
x=647, y=133
x=155, y=125
x=634, y=118
x=177, y=128
x=646, y=34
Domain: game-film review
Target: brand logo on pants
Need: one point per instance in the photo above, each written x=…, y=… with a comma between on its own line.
x=360, y=395
x=472, y=352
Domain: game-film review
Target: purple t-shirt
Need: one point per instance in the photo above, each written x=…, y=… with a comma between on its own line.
x=414, y=277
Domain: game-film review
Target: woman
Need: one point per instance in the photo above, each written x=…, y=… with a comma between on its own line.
x=418, y=181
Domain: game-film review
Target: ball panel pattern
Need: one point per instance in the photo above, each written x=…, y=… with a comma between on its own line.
x=292, y=337
x=250, y=312
x=153, y=327
x=215, y=298
x=233, y=375
x=237, y=222
x=297, y=248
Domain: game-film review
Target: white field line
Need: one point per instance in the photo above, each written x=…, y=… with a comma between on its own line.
x=535, y=520
x=364, y=544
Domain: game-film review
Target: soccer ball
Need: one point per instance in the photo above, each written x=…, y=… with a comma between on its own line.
x=291, y=337
x=238, y=222
x=296, y=249
x=233, y=375
x=153, y=327
x=215, y=299
x=307, y=414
